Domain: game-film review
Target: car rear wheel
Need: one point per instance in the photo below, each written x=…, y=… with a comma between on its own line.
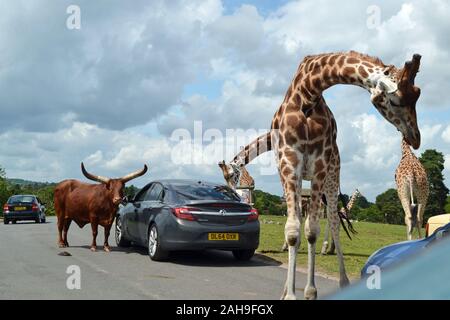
x=120, y=239
x=243, y=255
x=38, y=220
x=154, y=245
x=13, y=221
x=5, y=221
x=43, y=220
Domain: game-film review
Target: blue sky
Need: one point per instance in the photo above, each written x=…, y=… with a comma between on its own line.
x=116, y=92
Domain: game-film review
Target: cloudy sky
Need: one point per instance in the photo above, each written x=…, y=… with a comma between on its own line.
x=138, y=75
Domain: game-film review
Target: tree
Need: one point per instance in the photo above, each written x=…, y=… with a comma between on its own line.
x=4, y=192
x=362, y=202
x=371, y=214
x=447, y=205
x=433, y=162
x=389, y=205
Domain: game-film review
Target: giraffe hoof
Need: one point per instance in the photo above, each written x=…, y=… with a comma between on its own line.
x=310, y=293
x=289, y=297
x=344, y=282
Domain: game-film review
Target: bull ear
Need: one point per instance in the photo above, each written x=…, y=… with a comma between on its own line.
x=108, y=185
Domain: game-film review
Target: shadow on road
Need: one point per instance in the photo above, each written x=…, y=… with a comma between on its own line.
x=207, y=258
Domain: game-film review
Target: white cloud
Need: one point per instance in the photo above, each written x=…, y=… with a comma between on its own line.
x=130, y=65
x=446, y=134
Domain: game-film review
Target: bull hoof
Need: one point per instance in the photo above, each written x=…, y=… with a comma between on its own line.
x=107, y=248
x=61, y=245
x=93, y=249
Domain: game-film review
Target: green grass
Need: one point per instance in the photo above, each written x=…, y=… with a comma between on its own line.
x=370, y=237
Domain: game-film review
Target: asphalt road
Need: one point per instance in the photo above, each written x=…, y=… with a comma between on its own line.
x=30, y=268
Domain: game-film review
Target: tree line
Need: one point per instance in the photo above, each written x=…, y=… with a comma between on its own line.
x=386, y=208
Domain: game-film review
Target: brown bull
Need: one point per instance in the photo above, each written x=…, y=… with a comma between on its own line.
x=85, y=203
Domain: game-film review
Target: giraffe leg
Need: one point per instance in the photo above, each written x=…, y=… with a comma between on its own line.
x=323, y=251
x=292, y=188
x=331, y=190
x=312, y=231
x=420, y=212
x=404, y=195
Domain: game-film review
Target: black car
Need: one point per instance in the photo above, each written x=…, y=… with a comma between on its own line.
x=23, y=207
x=170, y=215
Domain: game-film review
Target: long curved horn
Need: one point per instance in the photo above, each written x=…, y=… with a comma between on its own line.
x=134, y=175
x=93, y=177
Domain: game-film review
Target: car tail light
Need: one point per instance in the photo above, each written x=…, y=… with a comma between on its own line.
x=427, y=227
x=183, y=213
x=34, y=207
x=6, y=208
x=254, y=215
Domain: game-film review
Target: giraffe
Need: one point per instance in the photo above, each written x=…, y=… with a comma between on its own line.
x=411, y=178
x=344, y=212
x=236, y=175
x=302, y=135
x=239, y=176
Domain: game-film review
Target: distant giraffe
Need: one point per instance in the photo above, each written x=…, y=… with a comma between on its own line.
x=345, y=212
x=411, y=179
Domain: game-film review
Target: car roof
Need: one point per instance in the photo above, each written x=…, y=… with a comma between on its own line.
x=171, y=182
x=23, y=195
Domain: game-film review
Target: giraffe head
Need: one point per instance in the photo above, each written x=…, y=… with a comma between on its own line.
x=231, y=173
x=395, y=97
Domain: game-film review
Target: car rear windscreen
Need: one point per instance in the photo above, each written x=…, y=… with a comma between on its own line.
x=205, y=192
x=21, y=199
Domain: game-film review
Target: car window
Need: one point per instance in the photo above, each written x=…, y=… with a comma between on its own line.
x=21, y=199
x=155, y=194
x=205, y=192
x=141, y=195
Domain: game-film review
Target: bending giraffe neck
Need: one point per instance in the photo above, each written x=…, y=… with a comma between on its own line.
x=245, y=179
x=318, y=73
x=251, y=151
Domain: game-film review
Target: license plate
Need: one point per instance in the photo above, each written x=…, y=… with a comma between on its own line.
x=20, y=208
x=223, y=236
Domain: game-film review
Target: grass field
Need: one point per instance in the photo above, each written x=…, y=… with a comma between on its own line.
x=370, y=237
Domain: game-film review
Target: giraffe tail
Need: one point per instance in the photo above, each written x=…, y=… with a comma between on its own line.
x=413, y=207
x=345, y=221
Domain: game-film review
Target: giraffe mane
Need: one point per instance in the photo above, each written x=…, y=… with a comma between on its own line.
x=375, y=60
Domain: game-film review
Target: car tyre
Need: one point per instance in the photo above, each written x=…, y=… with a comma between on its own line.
x=155, y=252
x=37, y=220
x=13, y=221
x=120, y=239
x=243, y=255
x=5, y=221
x=43, y=220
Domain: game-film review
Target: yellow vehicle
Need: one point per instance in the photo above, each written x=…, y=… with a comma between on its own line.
x=435, y=222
